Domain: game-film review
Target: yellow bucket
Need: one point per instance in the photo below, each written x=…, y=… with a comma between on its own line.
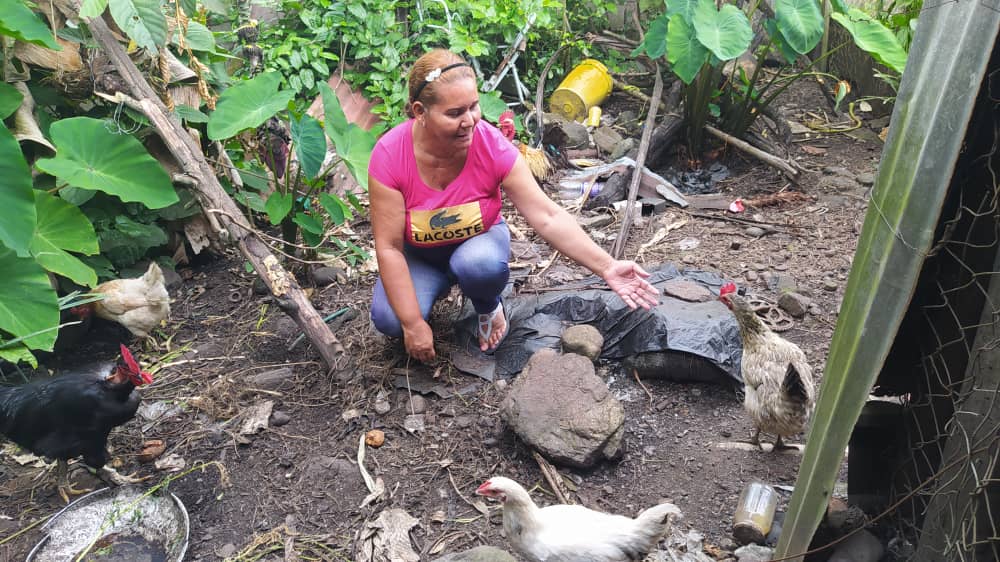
x=587, y=85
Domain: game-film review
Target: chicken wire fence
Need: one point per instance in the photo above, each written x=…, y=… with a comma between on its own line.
x=934, y=460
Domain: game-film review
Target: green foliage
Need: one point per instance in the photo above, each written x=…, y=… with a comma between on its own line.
x=17, y=204
x=142, y=20
x=28, y=304
x=17, y=21
x=61, y=229
x=872, y=36
x=247, y=105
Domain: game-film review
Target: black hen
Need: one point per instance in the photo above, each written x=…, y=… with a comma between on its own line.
x=71, y=415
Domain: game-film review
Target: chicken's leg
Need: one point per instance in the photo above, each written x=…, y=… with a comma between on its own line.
x=113, y=478
x=780, y=445
x=755, y=440
x=65, y=487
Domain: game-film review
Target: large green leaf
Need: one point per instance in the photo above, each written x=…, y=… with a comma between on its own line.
x=142, y=20
x=198, y=37
x=801, y=23
x=17, y=21
x=91, y=157
x=10, y=100
x=354, y=144
x=16, y=353
x=128, y=240
x=780, y=43
x=17, y=203
x=684, y=7
x=248, y=105
x=929, y=123
x=63, y=228
x=278, y=206
x=726, y=32
x=654, y=43
x=873, y=37
x=92, y=8
x=310, y=144
x=491, y=105
x=28, y=303
x=684, y=52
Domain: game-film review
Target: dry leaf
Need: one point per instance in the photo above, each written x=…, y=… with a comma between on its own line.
x=151, y=449
x=814, y=150
x=375, y=438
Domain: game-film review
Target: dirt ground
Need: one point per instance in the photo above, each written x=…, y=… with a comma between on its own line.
x=296, y=484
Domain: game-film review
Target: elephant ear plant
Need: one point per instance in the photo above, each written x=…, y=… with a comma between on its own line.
x=698, y=39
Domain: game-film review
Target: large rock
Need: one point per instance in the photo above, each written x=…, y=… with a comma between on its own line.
x=582, y=426
x=583, y=339
x=479, y=554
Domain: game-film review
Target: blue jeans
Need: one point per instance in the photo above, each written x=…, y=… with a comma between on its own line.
x=479, y=266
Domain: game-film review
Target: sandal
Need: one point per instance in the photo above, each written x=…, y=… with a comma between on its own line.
x=486, y=326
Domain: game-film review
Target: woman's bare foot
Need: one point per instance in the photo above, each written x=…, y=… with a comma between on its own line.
x=492, y=329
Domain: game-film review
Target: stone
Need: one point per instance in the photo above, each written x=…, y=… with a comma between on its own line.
x=859, y=547
x=784, y=283
x=274, y=379
x=382, y=405
x=595, y=221
x=879, y=123
x=324, y=276
x=624, y=147
x=837, y=183
x=607, y=139
x=227, y=550
x=754, y=231
x=479, y=554
x=836, y=171
x=584, y=426
x=259, y=288
x=830, y=284
x=795, y=304
x=563, y=133
x=279, y=418
x=753, y=553
x=866, y=178
x=583, y=339
x=416, y=405
x=752, y=275
x=171, y=279
x=687, y=291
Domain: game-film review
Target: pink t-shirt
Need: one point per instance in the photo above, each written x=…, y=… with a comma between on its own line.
x=468, y=206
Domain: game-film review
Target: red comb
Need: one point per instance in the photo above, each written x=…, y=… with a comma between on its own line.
x=130, y=361
x=727, y=288
x=506, y=116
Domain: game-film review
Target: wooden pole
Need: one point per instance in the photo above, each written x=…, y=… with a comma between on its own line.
x=215, y=200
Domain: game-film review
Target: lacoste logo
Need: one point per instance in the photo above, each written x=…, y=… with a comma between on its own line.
x=440, y=220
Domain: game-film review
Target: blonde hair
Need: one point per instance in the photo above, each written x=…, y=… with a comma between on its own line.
x=434, y=61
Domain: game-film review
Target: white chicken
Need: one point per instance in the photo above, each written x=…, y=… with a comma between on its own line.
x=139, y=304
x=778, y=381
x=573, y=533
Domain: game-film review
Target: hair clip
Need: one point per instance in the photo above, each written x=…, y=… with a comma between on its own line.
x=433, y=75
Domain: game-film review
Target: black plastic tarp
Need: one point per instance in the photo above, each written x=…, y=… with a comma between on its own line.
x=704, y=329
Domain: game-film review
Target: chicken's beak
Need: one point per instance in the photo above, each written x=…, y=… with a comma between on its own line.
x=484, y=489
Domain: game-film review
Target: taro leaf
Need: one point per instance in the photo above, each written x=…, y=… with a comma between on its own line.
x=278, y=206
x=92, y=8
x=929, y=123
x=310, y=144
x=247, y=105
x=787, y=52
x=684, y=52
x=334, y=207
x=217, y=6
x=840, y=6
x=76, y=195
x=63, y=228
x=143, y=21
x=354, y=144
x=684, y=7
x=91, y=157
x=251, y=200
x=129, y=240
x=726, y=32
x=101, y=265
x=190, y=7
x=28, y=303
x=874, y=38
x=186, y=206
x=17, y=21
x=17, y=352
x=198, y=37
x=10, y=100
x=801, y=23
x=308, y=223
x=190, y=114
x=17, y=202
x=654, y=43
x=491, y=105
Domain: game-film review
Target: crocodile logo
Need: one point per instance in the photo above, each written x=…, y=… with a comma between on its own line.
x=441, y=220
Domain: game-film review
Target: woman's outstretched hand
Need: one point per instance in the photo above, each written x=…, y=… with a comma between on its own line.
x=419, y=341
x=629, y=280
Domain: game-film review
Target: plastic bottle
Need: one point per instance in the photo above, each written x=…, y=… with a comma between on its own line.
x=754, y=513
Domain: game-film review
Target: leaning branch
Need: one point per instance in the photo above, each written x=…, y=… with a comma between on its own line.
x=282, y=284
x=790, y=171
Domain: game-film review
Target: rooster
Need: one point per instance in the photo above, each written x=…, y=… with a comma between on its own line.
x=139, y=304
x=573, y=533
x=537, y=160
x=72, y=414
x=779, y=384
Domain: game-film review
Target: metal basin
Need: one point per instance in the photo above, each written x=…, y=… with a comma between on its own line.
x=116, y=525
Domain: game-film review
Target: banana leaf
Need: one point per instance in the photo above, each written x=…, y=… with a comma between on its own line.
x=939, y=87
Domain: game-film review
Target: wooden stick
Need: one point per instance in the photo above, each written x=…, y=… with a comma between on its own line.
x=551, y=476
x=640, y=161
x=282, y=284
x=769, y=159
